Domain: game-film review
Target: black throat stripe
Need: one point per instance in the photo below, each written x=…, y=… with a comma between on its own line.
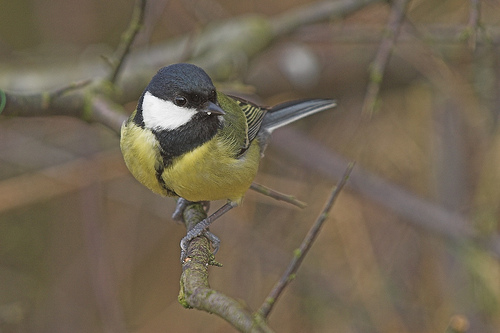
x=159, y=177
x=197, y=131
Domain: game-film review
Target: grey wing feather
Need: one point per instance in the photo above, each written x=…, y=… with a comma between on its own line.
x=254, y=115
x=262, y=121
x=288, y=112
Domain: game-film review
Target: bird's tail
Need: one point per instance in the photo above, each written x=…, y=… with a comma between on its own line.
x=288, y=112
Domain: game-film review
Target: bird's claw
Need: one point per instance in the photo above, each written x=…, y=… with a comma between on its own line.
x=202, y=228
x=192, y=234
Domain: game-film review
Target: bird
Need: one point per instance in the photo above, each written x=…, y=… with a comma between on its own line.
x=187, y=140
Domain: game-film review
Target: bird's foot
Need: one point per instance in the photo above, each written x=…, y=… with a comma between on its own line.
x=201, y=228
x=195, y=232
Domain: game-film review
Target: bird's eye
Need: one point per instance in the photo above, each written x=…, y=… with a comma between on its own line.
x=195, y=99
x=180, y=100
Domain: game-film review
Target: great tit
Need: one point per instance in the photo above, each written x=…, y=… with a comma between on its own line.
x=187, y=140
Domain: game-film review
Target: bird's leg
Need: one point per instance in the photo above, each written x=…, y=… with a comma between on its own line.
x=181, y=206
x=201, y=227
x=178, y=216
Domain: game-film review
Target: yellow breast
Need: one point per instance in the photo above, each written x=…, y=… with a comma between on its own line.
x=140, y=152
x=209, y=172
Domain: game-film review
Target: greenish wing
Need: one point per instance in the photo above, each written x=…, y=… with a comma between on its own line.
x=254, y=115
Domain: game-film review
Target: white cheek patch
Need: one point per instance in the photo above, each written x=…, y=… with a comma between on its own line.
x=164, y=115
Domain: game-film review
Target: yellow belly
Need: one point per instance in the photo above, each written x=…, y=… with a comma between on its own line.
x=208, y=173
x=140, y=152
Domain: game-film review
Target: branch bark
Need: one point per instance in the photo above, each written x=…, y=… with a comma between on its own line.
x=75, y=100
x=195, y=290
x=378, y=65
x=216, y=49
x=127, y=39
x=303, y=249
x=418, y=212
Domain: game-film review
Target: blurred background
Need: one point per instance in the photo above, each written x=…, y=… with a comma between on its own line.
x=411, y=246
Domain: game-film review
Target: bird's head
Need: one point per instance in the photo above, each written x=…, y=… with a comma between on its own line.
x=176, y=95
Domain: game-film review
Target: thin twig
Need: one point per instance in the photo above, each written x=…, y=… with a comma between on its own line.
x=377, y=67
x=127, y=39
x=105, y=111
x=277, y=195
x=300, y=253
x=474, y=22
x=474, y=29
x=143, y=63
x=70, y=87
x=474, y=15
x=422, y=214
x=316, y=12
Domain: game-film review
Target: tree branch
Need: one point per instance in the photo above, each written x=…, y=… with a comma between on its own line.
x=474, y=25
x=301, y=252
x=235, y=38
x=277, y=195
x=214, y=49
x=377, y=68
x=77, y=100
x=195, y=290
x=316, y=12
x=46, y=103
x=127, y=39
x=107, y=112
x=418, y=212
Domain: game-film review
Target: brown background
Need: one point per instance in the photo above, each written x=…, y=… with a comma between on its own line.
x=85, y=248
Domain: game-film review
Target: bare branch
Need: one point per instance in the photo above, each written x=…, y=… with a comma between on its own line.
x=316, y=12
x=72, y=101
x=215, y=49
x=246, y=36
x=107, y=112
x=72, y=86
x=304, y=248
x=420, y=213
x=474, y=24
x=377, y=68
x=47, y=103
x=195, y=290
x=475, y=12
x=277, y=195
x=127, y=39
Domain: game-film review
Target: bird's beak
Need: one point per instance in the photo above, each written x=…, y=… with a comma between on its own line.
x=212, y=108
